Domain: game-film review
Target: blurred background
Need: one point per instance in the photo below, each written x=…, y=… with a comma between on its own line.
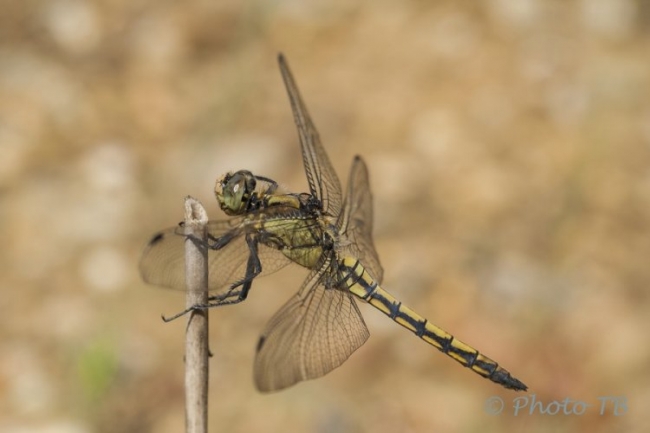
x=508, y=143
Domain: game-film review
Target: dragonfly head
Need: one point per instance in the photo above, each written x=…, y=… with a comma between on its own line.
x=234, y=191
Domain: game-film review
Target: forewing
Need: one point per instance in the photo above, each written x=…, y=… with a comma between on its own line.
x=323, y=182
x=312, y=334
x=355, y=221
x=163, y=260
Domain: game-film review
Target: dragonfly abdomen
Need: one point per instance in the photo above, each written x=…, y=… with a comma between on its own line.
x=362, y=285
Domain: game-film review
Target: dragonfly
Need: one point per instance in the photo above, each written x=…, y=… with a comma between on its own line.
x=321, y=230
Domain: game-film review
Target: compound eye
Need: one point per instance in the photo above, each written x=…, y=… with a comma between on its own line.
x=241, y=183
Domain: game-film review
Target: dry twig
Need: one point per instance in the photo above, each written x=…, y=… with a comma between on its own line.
x=196, y=341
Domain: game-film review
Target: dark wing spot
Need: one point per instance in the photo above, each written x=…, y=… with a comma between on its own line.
x=260, y=343
x=156, y=238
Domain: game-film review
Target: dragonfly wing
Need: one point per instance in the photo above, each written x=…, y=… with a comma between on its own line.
x=323, y=182
x=355, y=221
x=312, y=334
x=163, y=260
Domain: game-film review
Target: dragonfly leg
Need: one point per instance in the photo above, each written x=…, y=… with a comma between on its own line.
x=229, y=298
x=215, y=243
x=253, y=269
x=238, y=292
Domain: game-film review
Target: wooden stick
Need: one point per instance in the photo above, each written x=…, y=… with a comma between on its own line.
x=196, y=336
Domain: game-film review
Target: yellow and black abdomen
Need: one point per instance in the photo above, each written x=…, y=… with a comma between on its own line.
x=361, y=284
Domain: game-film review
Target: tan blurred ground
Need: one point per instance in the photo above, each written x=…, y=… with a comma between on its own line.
x=509, y=149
